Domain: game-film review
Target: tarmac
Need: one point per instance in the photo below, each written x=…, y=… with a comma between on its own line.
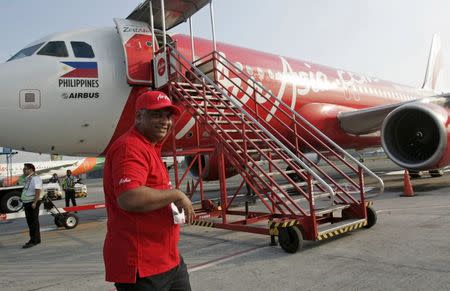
x=408, y=249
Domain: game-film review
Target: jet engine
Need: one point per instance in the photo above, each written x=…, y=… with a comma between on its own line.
x=415, y=136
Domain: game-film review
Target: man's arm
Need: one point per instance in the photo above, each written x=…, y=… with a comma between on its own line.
x=37, y=196
x=37, y=184
x=143, y=199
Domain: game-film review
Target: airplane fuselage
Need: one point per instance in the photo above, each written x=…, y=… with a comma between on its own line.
x=79, y=105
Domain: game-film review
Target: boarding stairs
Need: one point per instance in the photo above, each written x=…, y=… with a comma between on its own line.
x=270, y=145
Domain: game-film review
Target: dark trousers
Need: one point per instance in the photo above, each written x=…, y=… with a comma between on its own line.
x=70, y=195
x=32, y=216
x=176, y=279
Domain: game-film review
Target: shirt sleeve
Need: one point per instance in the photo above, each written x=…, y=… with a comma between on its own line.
x=130, y=168
x=37, y=182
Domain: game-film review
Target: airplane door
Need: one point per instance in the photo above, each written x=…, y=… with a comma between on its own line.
x=137, y=44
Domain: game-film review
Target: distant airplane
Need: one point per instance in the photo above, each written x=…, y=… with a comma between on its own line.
x=74, y=93
x=46, y=169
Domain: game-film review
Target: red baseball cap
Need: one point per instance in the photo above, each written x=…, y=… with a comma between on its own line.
x=155, y=100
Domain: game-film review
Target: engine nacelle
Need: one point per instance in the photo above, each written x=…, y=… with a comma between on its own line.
x=415, y=136
x=210, y=166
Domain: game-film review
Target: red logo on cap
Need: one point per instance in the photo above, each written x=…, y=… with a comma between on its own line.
x=161, y=66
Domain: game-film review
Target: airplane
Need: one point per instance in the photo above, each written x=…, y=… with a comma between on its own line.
x=10, y=175
x=81, y=86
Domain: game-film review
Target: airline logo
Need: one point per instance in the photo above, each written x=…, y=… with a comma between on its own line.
x=163, y=97
x=124, y=180
x=81, y=70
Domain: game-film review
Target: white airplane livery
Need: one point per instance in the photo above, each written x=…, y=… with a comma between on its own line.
x=68, y=90
x=74, y=93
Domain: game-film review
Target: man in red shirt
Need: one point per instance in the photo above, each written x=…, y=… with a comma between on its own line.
x=141, y=244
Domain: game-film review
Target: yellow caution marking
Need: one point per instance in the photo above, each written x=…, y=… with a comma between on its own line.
x=341, y=230
x=273, y=226
x=202, y=223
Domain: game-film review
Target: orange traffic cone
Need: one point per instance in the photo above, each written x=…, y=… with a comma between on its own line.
x=407, y=187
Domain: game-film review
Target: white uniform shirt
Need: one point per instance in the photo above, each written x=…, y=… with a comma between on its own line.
x=32, y=183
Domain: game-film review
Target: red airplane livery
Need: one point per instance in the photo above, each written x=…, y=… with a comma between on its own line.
x=74, y=93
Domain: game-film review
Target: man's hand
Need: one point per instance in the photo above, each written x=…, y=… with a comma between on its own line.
x=33, y=205
x=185, y=203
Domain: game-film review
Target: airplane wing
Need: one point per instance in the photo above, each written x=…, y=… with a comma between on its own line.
x=56, y=167
x=177, y=11
x=369, y=120
x=365, y=121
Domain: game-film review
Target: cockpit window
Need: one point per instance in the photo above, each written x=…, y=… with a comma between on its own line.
x=26, y=52
x=82, y=49
x=54, y=49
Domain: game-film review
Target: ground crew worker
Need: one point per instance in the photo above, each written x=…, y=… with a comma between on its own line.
x=69, y=188
x=141, y=245
x=54, y=178
x=31, y=198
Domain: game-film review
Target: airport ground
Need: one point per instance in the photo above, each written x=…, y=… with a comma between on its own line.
x=408, y=249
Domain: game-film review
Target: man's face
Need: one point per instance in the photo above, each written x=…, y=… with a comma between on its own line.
x=155, y=124
x=26, y=171
x=69, y=173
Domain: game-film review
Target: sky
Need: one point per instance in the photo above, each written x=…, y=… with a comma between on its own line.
x=389, y=39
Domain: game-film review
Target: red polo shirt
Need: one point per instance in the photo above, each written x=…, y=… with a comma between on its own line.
x=137, y=242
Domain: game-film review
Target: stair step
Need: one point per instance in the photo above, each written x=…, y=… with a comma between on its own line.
x=220, y=106
x=187, y=85
x=262, y=162
x=290, y=186
x=276, y=173
x=331, y=209
x=197, y=92
x=255, y=140
x=316, y=195
x=228, y=122
x=334, y=229
x=209, y=98
x=285, y=187
x=215, y=113
x=251, y=151
x=238, y=131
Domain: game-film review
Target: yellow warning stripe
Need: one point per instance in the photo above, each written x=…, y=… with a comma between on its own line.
x=202, y=223
x=285, y=223
x=341, y=230
x=273, y=226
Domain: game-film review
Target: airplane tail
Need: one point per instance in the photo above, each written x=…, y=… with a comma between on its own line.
x=436, y=76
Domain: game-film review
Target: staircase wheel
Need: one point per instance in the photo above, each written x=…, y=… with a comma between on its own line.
x=290, y=239
x=371, y=217
x=70, y=221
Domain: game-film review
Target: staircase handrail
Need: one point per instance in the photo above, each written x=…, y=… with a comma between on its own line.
x=328, y=188
x=340, y=149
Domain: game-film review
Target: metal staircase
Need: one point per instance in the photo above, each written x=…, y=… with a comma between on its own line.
x=270, y=146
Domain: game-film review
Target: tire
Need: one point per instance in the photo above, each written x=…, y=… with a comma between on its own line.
x=290, y=239
x=59, y=220
x=11, y=202
x=436, y=173
x=371, y=217
x=70, y=221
